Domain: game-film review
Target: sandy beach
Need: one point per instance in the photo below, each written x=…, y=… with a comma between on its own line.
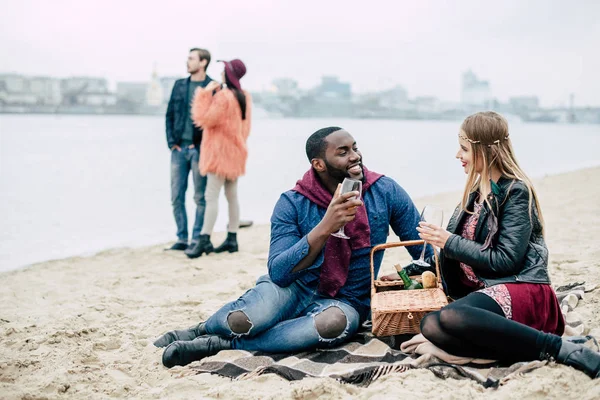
x=83, y=327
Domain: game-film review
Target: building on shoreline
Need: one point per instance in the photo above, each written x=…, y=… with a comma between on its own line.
x=475, y=92
x=82, y=95
x=331, y=98
x=29, y=91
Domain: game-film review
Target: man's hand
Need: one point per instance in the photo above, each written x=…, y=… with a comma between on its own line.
x=341, y=210
x=339, y=213
x=176, y=147
x=433, y=234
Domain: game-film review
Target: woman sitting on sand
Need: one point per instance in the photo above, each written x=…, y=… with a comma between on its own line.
x=495, y=262
x=225, y=119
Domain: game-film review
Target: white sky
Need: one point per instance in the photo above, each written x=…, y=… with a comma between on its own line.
x=545, y=48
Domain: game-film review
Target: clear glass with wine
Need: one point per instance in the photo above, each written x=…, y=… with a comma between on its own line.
x=433, y=215
x=348, y=185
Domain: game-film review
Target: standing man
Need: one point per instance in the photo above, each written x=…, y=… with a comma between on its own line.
x=183, y=139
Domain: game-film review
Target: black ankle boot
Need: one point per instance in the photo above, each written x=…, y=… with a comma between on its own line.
x=185, y=352
x=184, y=334
x=580, y=357
x=230, y=244
x=203, y=246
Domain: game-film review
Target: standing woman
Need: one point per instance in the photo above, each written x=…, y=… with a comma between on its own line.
x=494, y=260
x=224, y=113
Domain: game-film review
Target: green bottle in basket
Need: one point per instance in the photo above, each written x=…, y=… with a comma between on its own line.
x=409, y=284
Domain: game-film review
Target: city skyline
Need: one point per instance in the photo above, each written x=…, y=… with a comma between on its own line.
x=331, y=98
x=487, y=97
x=544, y=49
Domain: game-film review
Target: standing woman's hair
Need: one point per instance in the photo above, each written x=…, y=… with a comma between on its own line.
x=239, y=95
x=488, y=134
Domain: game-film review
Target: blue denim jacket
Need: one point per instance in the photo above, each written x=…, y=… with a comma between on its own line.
x=295, y=216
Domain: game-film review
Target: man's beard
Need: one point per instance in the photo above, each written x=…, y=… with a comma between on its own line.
x=340, y=174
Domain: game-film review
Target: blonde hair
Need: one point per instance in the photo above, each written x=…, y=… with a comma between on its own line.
x=491, y=146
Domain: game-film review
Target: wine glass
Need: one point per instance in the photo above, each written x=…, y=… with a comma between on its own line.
x=434, y=215
x=348, y=185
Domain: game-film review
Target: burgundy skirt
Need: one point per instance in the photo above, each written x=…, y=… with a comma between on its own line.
x=532, y=304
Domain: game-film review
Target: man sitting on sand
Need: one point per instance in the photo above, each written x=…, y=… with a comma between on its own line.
x=317, y=292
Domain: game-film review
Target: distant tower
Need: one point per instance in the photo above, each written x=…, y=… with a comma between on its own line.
x=474, y=92
x=154, y=92
x=571, y=113
x=571, y=101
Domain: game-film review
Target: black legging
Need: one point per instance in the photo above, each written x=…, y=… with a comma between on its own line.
x=475, y=326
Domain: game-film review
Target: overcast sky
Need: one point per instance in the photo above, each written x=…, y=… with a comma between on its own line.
x=545, y=48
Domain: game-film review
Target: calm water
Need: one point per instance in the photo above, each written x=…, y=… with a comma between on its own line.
x=73, y=185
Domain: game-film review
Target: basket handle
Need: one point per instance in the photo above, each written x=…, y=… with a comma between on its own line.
x=402, y=244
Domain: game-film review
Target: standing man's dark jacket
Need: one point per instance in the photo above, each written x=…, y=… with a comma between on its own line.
x=178, y=113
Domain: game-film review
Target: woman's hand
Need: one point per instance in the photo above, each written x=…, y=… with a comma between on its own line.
x=213, y=86
x=433, y=234
x=391, y=277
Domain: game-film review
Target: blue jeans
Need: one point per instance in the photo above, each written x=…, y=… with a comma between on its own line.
x=181, y=163
x=282, y=319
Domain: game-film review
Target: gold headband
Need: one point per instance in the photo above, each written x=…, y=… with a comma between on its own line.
x=479, y=141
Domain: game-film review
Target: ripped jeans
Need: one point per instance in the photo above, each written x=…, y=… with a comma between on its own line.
x=282, y=319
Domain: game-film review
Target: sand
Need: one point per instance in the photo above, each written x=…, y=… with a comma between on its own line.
x=83, y=327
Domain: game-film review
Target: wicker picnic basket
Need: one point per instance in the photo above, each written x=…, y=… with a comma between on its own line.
x=395, y=311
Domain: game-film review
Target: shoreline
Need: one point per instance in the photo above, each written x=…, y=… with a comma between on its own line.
x=419, y=201
x=83, y=327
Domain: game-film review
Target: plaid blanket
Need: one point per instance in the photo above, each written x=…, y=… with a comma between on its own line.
x=366, y=358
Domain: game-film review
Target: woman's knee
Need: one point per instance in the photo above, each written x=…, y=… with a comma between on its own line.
x=231, y=191
x=212, y=194
x=450, y=318
x=331, y=323
x=430, y=324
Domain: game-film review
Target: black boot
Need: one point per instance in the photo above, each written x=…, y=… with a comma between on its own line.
x=185, y=352
x=203, y=246
x=230, y=244
x=580, y=357
x=178, y=246
x=184, y=334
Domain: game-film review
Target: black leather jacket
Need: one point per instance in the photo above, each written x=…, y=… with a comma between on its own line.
x=516, y=251
x=178, y=112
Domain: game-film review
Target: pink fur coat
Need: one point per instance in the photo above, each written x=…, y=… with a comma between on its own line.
x=223, y=151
